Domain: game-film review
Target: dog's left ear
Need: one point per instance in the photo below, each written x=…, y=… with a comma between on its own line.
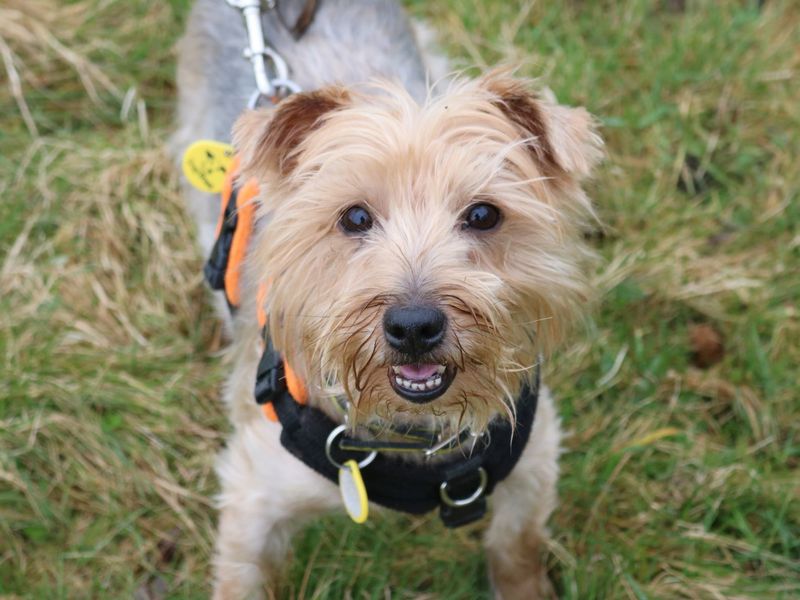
x=562, y=139
x=271, y=139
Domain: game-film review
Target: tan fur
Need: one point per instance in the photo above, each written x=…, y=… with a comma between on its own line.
x=509, y=294
x=521, y=504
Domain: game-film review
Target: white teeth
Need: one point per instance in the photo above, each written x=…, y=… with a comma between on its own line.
x=431, y=383
x=439, y=370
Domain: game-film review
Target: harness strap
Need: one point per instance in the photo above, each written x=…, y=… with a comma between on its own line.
x=224, y=266
x=234, y=228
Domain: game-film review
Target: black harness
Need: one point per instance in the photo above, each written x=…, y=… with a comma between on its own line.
x=458, y=484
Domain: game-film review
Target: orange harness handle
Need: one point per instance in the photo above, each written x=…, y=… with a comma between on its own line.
x=224, y=267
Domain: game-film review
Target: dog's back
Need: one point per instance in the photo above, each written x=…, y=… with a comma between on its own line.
x=347, y=42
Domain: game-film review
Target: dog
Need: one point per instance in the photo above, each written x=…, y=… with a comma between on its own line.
x=414, y=253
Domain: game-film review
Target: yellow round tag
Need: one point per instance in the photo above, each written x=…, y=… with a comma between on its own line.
x=205, y=164
x=354, y=493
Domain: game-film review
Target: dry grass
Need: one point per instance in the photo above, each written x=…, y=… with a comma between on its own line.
x=678, y=481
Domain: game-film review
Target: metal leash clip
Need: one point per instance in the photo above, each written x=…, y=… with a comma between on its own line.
x=269, y=68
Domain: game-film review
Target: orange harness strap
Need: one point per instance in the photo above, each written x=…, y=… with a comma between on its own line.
x=223, y=270
x=241, y=219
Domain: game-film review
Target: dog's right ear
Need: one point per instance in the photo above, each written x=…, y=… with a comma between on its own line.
x=271, y=139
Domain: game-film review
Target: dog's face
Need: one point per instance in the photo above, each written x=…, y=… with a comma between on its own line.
x=420, y=257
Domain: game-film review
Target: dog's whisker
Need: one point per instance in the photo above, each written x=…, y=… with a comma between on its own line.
x=520, y=368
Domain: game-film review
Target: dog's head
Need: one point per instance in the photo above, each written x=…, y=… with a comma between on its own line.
x=421, y=257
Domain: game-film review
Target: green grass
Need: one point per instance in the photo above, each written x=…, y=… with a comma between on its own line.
x=678, y=482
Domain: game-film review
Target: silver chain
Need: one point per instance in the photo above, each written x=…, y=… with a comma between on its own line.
x=269, y=69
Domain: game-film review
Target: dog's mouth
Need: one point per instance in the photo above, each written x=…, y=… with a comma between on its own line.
x=420, y=383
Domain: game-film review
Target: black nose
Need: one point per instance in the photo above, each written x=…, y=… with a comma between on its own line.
x=414, y=330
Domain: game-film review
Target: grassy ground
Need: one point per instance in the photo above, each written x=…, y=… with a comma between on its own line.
x=681, y=474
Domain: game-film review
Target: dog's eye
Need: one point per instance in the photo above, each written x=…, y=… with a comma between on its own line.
x=481, y=216
x=355, y=219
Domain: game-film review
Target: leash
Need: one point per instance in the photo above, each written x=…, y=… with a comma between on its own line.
x=269, y=69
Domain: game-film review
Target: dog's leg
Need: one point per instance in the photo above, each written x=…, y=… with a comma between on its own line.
x=521, y=505
x=266, y=495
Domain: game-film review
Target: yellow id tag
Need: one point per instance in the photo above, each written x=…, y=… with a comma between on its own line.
x=354, y=493
x=205, y=164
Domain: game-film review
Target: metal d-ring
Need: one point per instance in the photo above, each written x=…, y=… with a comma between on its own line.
x=471, y=498
x=287, y=85
x=329, y=443
x=255, y=98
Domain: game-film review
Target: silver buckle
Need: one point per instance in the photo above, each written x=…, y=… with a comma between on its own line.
x=329, y=443
x=458, y=502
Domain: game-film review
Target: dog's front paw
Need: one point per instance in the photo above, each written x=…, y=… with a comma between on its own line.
x=516, y=571
x=522, y=586
x=239, y=582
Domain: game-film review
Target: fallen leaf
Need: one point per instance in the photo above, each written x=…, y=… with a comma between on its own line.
x=706, y=344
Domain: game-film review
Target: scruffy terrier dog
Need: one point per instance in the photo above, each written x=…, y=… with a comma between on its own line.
x=420, y=251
